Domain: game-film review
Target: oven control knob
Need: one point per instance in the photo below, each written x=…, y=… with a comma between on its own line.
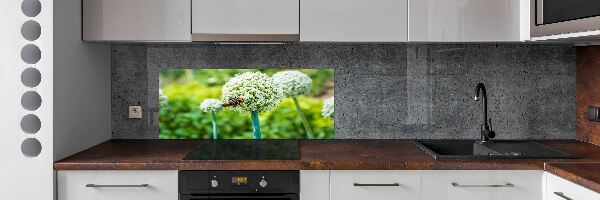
x=263, y=183
x=214, y=183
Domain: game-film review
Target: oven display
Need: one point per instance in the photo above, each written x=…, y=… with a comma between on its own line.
x=239, y=181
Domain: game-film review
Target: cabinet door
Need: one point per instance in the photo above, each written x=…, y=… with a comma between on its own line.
x=353, y=20
x=468, y=20
x=246, y=17
x=136, y=20
x=376, y=185
x=482, y=185
x=117, y=185
x=314, y=185
x=561, y=189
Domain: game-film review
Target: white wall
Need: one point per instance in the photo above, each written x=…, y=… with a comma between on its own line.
x=21, y=177
x=75, y=80
x=82, y=75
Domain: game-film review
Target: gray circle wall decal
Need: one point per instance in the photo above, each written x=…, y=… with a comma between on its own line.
x=31, y=147
x=31, y=8
x=31, y=100
x=31, y=77
x=31, y=30
x=31, y=54
x=31, y=124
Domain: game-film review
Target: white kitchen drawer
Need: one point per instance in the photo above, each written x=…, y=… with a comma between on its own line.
x=162, y=185
x=482, y=185
x=567, y=189
x=343, y=185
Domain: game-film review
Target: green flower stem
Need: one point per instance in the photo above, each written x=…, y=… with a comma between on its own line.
x=214, y=125
x=309, y=133
x=255, y=125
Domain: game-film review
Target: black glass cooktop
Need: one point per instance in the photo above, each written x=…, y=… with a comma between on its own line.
x=245, y=150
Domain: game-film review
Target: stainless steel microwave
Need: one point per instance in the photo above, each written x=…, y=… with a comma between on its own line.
x=554, y=17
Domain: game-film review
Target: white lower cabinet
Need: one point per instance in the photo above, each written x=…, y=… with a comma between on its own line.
x=482, y=185
x=560, y=189
x=375, y=185
x=314, y=185
x=435, y=185
x=341, y=185
x=117, y=185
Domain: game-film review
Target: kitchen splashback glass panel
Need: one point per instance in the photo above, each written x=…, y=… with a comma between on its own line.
x=246, y=103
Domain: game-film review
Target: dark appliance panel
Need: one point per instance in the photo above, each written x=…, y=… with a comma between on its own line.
x=554, y=11
x=273, y=181
x=231, y=185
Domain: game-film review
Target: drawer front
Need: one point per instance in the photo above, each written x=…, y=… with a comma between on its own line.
x=117, y=185
x=560, y=189
x=376, y=185
x=482, y=185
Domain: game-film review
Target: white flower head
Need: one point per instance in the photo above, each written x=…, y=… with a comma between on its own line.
x=211, y=105
x=328, y=108
x=254, y=91
x=162, y=99
x=293, y=83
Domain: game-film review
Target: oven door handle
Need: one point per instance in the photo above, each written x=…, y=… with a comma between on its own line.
x=245, y=196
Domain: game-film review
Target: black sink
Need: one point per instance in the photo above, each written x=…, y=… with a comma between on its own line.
x=471, y=149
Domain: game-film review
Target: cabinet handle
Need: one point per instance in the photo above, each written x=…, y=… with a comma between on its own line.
x=115, y=186
x=376, y=184
x=560, y=194
x=499, y=185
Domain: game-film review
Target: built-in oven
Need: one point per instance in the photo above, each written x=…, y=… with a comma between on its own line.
x=553, y=17
x=237, y=185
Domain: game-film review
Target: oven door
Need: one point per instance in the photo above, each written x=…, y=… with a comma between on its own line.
x=553, y=17
x=240, y=197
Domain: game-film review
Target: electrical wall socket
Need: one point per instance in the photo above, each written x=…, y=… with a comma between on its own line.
x=135, y=112
x=593, y=114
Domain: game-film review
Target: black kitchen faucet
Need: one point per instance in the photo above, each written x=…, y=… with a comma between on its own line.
x=486, y=128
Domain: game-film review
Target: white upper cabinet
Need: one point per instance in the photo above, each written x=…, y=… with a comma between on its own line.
x=468, y=20
x=245, y=20
x=307, y=20
x=136, y=20
x=353, y=20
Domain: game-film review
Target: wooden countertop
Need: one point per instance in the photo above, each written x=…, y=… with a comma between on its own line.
x=314, y=154
x=584, y=174
x=331, y=155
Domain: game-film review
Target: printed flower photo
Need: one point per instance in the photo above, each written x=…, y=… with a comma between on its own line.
x=246, y=104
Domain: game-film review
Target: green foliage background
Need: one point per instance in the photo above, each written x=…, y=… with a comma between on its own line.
x=187, y=88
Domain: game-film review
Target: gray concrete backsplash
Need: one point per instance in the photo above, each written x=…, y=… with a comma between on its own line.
x=389, y=91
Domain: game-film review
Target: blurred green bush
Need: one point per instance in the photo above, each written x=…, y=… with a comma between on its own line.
x=186, y=89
